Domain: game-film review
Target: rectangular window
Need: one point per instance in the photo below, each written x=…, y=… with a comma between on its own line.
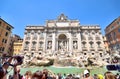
x=6, y=34
x=26, y=45
x=28, y=34
x=118, y=29
x=5, y=41
x=3, y=49
x=8, y=28
x=35, y=36
x=0, y=23
x=109, y=36
x=112, y=27
x=114, y=35
x=118, y=22
x=2, y=40
x=0, y=48
x=41, y=34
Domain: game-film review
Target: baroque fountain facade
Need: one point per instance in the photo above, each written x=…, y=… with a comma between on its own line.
x=63, y=40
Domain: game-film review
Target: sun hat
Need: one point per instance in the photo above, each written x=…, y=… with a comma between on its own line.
x=86, y=71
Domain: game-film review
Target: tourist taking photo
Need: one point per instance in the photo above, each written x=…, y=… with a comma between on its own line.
x=6, y=62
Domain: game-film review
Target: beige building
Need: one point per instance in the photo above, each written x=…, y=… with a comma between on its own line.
x=14, y=40
x=5, y=34
x=64, y=37
x=17, y=46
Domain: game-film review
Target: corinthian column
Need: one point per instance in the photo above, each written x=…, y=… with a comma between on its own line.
x=79, y=41
x=45, y=43
x=70, y=43
x=53, y=42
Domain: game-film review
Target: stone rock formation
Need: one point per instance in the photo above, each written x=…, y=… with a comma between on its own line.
x=61, y=59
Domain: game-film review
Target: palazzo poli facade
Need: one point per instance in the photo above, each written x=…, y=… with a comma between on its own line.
x=64, y=37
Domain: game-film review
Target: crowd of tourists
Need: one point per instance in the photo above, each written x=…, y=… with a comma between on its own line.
x=45, y=73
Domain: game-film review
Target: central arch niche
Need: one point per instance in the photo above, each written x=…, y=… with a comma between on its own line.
x=62, y=37
x=62, y=42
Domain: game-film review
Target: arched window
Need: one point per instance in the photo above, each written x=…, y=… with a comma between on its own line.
x=34, y=44
x=98, y=43
x=91, y=44
x=84, y=44
x=26, y=44
x=41, y=44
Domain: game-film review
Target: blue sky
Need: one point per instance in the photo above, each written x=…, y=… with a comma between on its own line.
x=20, y=13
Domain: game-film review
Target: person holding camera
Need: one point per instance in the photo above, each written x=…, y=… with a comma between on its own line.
x=16, y=73
x=6, y=62
x=4, y=67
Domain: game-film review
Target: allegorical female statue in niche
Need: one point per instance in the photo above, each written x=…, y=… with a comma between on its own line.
x=49, y=45
x=75, y=45
x=61, y=45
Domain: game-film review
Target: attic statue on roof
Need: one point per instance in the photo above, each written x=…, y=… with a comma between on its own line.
x=62, y=17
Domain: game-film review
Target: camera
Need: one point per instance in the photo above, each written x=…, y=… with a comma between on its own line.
x=19, y=59
x=113, y=67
